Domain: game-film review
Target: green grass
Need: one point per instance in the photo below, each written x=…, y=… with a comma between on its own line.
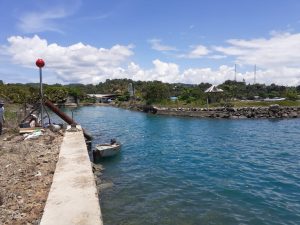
x=180, y=104
x=13, y=115
x=201, y=104
x=265, y=103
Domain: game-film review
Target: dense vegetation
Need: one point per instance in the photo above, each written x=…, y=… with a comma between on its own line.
x=149, y=92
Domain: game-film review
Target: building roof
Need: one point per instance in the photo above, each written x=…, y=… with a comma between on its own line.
x=103, y=95
x=213, y=88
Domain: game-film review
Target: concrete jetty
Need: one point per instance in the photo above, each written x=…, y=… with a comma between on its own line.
x=73, y=197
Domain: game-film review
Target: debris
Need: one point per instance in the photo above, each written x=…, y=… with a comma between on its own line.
x=23, y=193
x=9, y=138
x=34, y=135
x=38, y=174
x=29, y=130
x=55, y=127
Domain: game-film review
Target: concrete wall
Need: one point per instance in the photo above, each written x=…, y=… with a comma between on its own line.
x=73, y=198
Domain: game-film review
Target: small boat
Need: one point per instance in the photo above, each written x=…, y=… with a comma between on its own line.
x=106, y=150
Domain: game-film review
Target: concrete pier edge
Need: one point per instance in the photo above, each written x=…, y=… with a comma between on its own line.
x=73, y=197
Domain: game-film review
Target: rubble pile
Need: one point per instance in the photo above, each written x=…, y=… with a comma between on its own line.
x=26, y=172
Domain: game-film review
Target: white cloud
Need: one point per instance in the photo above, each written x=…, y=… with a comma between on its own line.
x=198, y=75
x=165, y=72
x=35, y=22
x=78, y=62
x=281, y=50
x=169, y=72
x=47, y=16
x=197, y=52
x=285, y=75
x=156, y=45
x=217, y=56
x=162, y=71
x=88, y=64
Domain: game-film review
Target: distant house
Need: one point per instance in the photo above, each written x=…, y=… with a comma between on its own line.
x=103, y=98
x=174, y=98
x=274, y=99
x=72, y=99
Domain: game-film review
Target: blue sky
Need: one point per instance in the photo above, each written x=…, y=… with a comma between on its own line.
x=189, y=41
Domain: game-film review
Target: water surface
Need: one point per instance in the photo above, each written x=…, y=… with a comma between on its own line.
x=197, y=171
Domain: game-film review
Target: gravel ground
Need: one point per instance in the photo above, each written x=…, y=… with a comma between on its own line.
x=26, y=171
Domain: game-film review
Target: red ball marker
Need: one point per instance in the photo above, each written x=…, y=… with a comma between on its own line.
x=40, y=63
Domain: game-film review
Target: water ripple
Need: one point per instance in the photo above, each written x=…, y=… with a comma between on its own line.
x=198, y=171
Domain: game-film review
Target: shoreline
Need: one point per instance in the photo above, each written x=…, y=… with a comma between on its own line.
x=261, y=112
x=271, y=112
x=264, y=112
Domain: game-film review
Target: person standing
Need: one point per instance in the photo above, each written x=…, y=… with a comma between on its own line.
x=1, y=116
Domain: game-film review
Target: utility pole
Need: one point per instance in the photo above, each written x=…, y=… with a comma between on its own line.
x=234, y=72
x=40, y=64
x=255, y=74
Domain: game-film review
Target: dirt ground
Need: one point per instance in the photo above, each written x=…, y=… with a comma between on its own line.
x=26, y=171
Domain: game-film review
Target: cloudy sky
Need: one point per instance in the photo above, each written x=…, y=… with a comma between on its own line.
x=187, y=41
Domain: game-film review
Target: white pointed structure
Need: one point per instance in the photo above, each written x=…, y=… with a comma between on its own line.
x=212, y=89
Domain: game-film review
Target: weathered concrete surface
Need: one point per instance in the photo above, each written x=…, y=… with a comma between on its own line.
x=73, y=198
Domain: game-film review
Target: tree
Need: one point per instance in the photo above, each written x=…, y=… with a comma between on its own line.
x=292, y=94
x=56, y=94
x=155, y=91
x=76, y=92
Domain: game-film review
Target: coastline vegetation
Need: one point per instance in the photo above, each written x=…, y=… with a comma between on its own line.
x=235, y=93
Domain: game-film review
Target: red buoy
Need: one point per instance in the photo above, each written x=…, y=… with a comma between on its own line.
x=40, y=63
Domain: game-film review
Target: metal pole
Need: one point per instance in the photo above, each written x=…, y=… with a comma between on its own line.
x=207, y=102
x=65, y=117
x=234, y=72
x=42, y=98
x=255, y=74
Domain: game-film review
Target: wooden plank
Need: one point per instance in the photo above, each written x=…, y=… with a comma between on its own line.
x=29, y=129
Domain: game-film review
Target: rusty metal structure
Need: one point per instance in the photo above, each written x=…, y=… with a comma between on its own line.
x=65, y=117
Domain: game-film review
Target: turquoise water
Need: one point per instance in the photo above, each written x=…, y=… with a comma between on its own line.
x=197, y=171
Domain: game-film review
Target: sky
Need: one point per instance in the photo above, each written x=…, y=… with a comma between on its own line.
x=175, y=41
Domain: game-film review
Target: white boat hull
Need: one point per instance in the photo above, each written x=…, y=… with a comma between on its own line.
x=106, y=150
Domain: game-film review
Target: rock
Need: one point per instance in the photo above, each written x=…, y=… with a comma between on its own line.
x=274, y=108
x=55, y=127
x=230, y=109
x=224, y=115
x=105, y=185
x=293, y=115
x=250, y=115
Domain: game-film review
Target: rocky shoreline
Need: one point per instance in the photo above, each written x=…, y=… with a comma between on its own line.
x=273, y=111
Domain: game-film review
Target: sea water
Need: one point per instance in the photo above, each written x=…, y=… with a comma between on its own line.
x=185, y=171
